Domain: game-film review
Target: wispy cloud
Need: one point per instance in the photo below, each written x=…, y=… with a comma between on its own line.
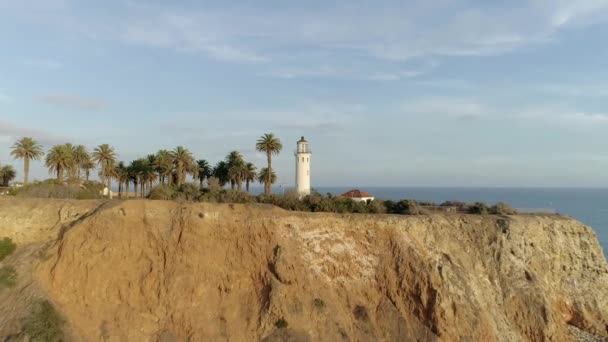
x=13, y=131
x=187, y=33
x=43, y=63
x=585, y=118
x=72, y=101
x=574, y=89
x=462, y=109
x=4, y=98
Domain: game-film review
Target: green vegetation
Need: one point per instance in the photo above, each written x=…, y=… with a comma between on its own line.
x=501, y=208
x=318, y=303
x=7, y=174
x=27, y=149
x=44, y=323
x=403, y=207
x=271, y=145
x=8, y=277
x=166, y=174
x=479, y=209
x=52, y=188
x=281, y=323
x=7, y=247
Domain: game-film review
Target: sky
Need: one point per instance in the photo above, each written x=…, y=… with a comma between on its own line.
x=389, y=93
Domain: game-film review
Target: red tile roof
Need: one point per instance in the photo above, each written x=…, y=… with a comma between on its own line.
x=356, y=193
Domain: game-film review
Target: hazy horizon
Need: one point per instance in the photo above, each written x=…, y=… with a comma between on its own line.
x=410, y=93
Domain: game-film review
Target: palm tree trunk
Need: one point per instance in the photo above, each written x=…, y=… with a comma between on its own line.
x=232, y=184
x=135, y=189
x=201, y=182
x=127, y=188
x=269, y=175
x=247, y=185
x=60, y=174
x=239, y=184
x=143, y=189
x=26, y=170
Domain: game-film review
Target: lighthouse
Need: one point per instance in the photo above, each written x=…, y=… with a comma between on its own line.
x=303, y=155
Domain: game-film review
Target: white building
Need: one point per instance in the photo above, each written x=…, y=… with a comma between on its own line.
x=303, y=155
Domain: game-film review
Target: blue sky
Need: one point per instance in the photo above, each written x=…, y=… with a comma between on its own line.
x=441, y=93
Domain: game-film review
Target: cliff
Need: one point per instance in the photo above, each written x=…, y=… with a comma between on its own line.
x=167, y=271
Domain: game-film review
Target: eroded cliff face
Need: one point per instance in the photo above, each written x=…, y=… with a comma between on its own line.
x=164, y=271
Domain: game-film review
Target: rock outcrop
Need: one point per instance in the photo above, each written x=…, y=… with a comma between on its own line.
x=167, y=271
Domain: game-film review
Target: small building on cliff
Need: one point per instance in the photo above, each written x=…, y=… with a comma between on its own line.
x=358, y=195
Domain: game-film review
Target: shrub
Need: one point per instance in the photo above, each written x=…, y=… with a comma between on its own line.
x=7, y=247
x=479, y=208
x=8, y=277
x=376, y=207
x=213, y=184
x=162, y=192
x=51, y=188
x=281, y=323
x=44, y=323
x=502, y=208
x=318, y=303
x=403, y=207
x=188, y=191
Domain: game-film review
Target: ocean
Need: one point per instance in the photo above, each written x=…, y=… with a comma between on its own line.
x=589, y=206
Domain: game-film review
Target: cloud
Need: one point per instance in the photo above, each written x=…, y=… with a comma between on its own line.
x=72, y=101
x=186, y=33
x=43, y=63
x=458, y=108
x=4, y=98
x=11, y=130
x=369, y=42
x=585, y=118
x=574, y=89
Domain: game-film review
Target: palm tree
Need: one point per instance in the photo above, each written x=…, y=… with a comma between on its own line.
x=250, y=175
x=235, y=167
x=238, y=173
x=271, y=145
x=81, y=159
x=87, y=166
x=163, y=165
x=105, y=157
x=151, y=161
x=263, y=176
x=220, y=171
x=7, y=174
x=122, y=176
x=27, y=149
x=204, y=171
x=58, y=159
x=133, y=176
x=148, y=176
x=182, y=159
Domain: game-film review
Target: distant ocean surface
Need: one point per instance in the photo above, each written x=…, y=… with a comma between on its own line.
x=589, y=206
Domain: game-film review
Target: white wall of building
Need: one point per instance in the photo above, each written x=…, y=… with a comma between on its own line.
x=303, y=156
x=362, y=199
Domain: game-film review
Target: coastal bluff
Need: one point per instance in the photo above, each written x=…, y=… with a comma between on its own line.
x=178, y=271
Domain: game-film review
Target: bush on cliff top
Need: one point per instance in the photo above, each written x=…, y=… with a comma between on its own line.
x=502, y=208
x=53, y=189
x=316, y=202
x=7, y=247
x=44, y=323
x=8, y=277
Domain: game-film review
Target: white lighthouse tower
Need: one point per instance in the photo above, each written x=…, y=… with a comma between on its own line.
x=303, y=155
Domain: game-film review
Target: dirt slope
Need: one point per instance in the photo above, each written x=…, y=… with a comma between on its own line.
x=164, y=271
